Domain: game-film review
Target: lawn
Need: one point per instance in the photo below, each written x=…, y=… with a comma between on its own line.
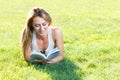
x=91, y=30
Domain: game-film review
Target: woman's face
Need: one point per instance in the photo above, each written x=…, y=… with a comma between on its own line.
x=40, y=25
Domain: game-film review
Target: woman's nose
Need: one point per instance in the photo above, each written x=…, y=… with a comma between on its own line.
x=42, y=28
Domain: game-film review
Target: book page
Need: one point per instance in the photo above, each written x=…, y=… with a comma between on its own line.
x=53, y=53
x=37, y=56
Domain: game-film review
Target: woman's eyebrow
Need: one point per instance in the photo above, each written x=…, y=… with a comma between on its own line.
x=36, y=23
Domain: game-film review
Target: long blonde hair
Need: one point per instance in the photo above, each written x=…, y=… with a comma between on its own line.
x=26, y=37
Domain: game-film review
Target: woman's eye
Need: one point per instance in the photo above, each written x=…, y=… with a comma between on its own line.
x=37, y=25
x=44, y=24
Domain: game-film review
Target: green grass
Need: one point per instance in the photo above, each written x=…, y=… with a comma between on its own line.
x=91, y=31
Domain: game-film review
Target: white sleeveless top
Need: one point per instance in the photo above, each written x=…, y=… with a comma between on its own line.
x=51, y=44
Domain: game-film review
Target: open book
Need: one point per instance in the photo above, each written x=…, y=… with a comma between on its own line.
x=40, y=56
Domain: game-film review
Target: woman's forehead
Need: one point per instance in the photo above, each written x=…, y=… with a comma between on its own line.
x=38, y=20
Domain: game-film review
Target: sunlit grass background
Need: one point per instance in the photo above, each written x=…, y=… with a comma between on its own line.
x=91, y=31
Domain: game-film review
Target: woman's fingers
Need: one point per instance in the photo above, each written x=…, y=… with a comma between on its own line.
x=43, y=61
x=49, y=61
x=37, y=60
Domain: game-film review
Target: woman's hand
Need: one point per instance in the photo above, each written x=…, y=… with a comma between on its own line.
x=44, y=61
x=49, y=61
x=40, y=61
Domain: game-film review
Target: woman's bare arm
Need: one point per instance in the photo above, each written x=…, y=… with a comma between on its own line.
x=27, y=53
x=59, y=44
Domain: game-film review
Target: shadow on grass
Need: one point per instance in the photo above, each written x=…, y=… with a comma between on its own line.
x=65, y=70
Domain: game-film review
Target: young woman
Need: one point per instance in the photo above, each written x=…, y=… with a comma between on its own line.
x=40, y=36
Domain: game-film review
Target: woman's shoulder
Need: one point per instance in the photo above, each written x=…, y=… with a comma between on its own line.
x=56, y=29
